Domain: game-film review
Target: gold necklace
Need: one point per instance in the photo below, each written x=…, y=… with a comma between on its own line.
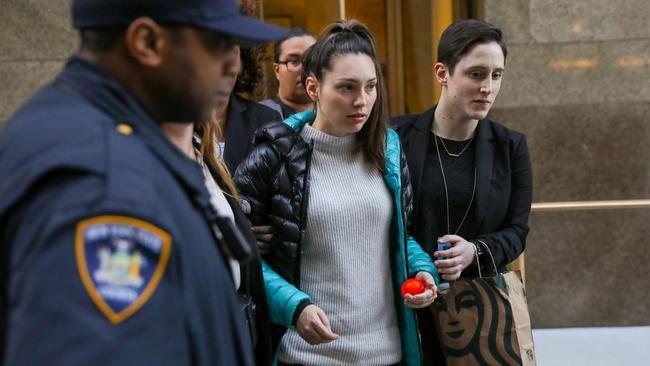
x=460, y=153
x=444, y=181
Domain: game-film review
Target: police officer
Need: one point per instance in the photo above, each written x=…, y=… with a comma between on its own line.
x=111, y=252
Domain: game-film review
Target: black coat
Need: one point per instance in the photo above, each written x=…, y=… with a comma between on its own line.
x=504, y=185
x=503, y=198
x=276, y=197
x=244, y=117
x=283, y=156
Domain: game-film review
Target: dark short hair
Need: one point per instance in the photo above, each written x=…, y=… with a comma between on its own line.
x=251, y=76
x=250, y=79
x=98, y=40
x=293, y=33
x=462, y=35
x=353, y=37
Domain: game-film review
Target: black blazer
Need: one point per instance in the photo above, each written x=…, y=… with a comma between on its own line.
x=504, y=187
x=244, y=117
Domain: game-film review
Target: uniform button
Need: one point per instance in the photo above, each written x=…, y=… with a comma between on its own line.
x=124, y=129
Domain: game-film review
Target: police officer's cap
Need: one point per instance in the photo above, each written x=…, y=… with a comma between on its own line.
x=218, y=15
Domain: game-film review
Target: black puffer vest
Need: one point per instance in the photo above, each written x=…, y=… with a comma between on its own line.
x=278, y=169
x=283, y=158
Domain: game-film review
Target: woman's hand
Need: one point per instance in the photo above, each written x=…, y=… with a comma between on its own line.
x=427, y=297
x=457, y=258
x=314, y=327
x=264, y=234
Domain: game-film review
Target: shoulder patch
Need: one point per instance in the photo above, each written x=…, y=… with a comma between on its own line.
x=121, y=261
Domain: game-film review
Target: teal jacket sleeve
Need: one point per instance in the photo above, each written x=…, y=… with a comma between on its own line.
x=283, y=297
x=420, y=261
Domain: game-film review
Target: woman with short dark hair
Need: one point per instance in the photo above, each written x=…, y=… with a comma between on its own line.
x=472, y=178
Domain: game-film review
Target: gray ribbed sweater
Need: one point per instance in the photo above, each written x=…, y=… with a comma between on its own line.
x=345, y=264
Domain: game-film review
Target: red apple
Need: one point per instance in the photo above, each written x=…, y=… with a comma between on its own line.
x=413, y=286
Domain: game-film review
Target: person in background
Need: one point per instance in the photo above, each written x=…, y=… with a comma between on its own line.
x=287, y=65
x=334, y=187
x=472, y=177
x=109, y=246
x=234, y=124
x=247, y=277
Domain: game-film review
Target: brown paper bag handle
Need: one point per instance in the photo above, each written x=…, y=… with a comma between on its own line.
x=487, y=249
x=478, y=265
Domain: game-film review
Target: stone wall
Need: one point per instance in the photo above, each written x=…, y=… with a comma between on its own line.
x=578, y=84
x=35, y=41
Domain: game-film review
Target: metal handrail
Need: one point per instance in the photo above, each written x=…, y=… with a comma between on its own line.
x=588, y=205
x=520, y=263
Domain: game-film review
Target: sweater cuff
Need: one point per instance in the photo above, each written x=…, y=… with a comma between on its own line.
x=301, y=306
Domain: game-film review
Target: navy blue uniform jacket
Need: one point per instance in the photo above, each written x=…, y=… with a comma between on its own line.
x=82, y=163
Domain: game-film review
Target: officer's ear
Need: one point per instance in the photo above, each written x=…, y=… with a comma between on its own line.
x=145, y=41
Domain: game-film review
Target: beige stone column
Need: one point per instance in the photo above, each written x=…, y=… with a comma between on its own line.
x=35, y=40
x=577, y=83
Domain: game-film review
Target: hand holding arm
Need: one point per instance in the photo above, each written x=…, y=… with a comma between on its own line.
x=264, y=234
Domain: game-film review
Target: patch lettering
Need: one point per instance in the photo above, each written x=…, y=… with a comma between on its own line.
x=121, y=261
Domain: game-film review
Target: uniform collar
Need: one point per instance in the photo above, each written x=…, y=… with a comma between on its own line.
x=98, y=88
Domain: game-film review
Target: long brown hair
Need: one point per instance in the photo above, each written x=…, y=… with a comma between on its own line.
x=210, y=132
x=353, y=37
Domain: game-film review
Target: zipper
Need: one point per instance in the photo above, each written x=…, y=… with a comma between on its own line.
x=402, y=208
x=303, y=212
x=413, y=311
x=406, y=257
x=414, y=317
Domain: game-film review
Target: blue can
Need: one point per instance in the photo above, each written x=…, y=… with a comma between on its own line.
x=443, y=286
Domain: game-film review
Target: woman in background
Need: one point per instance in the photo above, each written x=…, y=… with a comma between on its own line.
x=234, y=123
x=248, y=277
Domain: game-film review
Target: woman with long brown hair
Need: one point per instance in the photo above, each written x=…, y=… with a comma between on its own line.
x=332, y=184
x=224, y=200
x=248, y=277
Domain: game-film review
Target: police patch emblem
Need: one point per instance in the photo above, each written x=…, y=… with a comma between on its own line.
x=121, y=261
